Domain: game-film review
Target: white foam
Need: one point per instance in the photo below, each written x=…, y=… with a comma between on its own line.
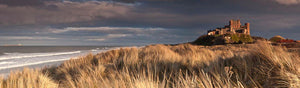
x=16, y=60
x=28, y=64
x=94, y=50
x=7, y=53
x=5, y=62
x=30, y=55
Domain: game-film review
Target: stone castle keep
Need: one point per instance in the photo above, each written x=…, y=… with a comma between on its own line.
x=234, y=27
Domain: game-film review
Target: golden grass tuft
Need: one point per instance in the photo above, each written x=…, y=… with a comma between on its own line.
x=28, y=78
x=164, y=66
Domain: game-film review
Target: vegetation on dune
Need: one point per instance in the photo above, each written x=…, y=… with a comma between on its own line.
x=160, y=66
x=224, y=39
x=257, y=38
x=276, y=38
x=205, y=40
x=241, y=38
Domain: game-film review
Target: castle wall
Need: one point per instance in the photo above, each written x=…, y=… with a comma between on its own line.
x=248, y=28
x=234, y=27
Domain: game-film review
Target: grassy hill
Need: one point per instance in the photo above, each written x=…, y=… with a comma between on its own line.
x=161, y=66
x=224, y=39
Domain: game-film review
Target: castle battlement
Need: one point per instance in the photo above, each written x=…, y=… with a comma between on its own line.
x=234, y=27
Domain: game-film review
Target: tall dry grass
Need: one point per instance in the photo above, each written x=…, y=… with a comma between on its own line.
x=28, y=78
x=164, y=66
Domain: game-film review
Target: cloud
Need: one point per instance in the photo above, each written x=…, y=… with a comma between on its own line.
x=25, y=38
x=98, y=39
x=22, y=3
x=117, y=35
x=110, y=36
x=61, y=12
x=104, y=29
x=288, y=2
x=104, y=13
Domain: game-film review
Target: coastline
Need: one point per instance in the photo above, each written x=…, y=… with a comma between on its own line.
x=6, y=70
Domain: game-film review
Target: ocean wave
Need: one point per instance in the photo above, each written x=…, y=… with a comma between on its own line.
x=103, y=49
x=94, y=50
x=30, y=55
x=5, y=62
x=28, y=64
x=10, y=53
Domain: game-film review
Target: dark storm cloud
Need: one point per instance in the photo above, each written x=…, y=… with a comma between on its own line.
x=66, y=12
x=21, y=2
x=288, y=2
x=166, y=13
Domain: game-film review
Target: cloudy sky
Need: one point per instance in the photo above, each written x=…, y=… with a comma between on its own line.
x=139, y=22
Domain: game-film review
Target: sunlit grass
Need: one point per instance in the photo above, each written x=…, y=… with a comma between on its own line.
x=163, y=66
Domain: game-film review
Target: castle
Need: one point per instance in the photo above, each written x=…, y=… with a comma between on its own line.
x=234, y=27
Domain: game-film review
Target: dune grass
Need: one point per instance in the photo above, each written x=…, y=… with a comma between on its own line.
x=165, y=66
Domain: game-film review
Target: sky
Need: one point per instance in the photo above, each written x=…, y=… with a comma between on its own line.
x=138, y=22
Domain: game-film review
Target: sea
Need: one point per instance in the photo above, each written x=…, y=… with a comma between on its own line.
x=14, y=58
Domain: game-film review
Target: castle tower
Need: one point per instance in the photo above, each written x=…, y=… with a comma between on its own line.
x=234, y=25
x=248, y=28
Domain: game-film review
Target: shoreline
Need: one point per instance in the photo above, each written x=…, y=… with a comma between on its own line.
x=4, y=71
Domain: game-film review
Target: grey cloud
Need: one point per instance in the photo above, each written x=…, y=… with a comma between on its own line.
x=120, y=34
x=288, y=2
x=25, y=38
x=66, y=12
x=22, y=2
x=105, y=29
x=120, y=14
x=109, y=36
